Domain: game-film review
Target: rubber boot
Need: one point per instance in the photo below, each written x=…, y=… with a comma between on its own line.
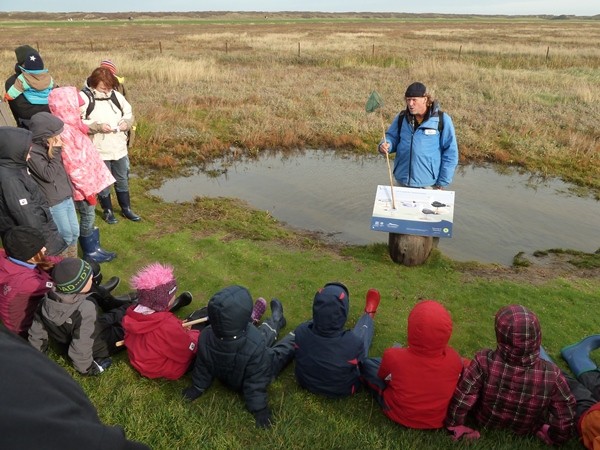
x=183, y=300
x=372, y=302
x=107, y=210
x=90, y=245
x=577, y=355
x=277, y=313
x=125, y=204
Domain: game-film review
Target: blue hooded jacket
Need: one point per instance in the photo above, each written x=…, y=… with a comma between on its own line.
x=327, y=355
x=423, y=157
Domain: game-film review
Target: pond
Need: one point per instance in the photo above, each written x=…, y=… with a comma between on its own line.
x=497, y=215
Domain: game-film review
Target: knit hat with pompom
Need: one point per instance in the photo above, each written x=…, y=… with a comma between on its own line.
x=155, y=285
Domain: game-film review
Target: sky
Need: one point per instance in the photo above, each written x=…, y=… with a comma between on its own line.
x=510, y=7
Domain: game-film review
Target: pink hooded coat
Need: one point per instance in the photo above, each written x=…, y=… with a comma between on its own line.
x=84, y=165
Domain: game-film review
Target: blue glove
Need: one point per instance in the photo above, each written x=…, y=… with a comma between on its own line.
x=191, y=393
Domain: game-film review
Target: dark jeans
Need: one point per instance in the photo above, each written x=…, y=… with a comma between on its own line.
x=586, y=390
x=120, y=170
x=282, y=351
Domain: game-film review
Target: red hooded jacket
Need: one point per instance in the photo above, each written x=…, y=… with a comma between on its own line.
x=157, y=345
x=422, y=377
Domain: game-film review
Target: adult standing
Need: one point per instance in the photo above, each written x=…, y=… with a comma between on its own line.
x=21, y=200
x=85, y=168
x=109, y=119
x=424, y=141
x=46, y=167
x=21, y=108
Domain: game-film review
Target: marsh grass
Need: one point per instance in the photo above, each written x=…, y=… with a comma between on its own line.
x=521, y=92
x=213, y=243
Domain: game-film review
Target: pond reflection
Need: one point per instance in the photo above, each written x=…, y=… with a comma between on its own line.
x=496, y=215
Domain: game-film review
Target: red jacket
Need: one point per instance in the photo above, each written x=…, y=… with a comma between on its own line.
x=21, y=289
x=157, y=345
x=421, y=378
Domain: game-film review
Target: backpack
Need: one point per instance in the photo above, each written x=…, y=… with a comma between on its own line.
x=92, y=101
x=113, y=98
x=401, y=121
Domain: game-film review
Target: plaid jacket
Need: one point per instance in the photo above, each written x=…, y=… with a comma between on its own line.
x=512, y=387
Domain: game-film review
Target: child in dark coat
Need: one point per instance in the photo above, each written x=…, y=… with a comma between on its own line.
x=328, y=357
x=240, y=355
x=70, y=318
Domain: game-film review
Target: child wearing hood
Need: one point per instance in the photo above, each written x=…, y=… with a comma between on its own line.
x=242, y=356
x=328, y=357
x=414, y=384
x=157, y=343
x=47, y=169
x=512, y=387
x=87, y=172
x=21, y=200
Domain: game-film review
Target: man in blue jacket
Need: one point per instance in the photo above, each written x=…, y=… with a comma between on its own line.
x=424, y=141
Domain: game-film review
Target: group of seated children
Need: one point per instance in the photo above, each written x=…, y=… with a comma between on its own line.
x=423, y=385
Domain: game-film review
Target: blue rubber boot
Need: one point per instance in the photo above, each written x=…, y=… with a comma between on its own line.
x=91, y=248
x=577, y=355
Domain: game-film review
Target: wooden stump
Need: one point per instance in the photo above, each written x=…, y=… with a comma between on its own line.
x=409, y=249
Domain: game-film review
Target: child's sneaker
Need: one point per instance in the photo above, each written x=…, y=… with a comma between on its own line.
x=372, y=302
x=260, y=306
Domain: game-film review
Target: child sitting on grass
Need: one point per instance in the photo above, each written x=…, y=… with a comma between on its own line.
x=70, y=318
x=512, y=387
x=157, y=343
x=414, y=384
x=328, y=357
x=239, y=354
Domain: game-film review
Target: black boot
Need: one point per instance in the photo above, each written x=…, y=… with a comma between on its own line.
x=277, y=313
x=107, y=210
x=183, y=300
x=125, y=204
x=90, y=245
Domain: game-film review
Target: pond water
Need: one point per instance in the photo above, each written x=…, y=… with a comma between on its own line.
x=496, y=215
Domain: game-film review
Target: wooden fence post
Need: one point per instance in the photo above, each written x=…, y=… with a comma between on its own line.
x=160, y=46
x=547, y=53
x=459, y=51
x=298, y=48
x=226, y=47
x=373, y=51
x=91, y=46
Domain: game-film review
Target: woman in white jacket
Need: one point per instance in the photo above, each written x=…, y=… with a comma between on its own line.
x=108, y=115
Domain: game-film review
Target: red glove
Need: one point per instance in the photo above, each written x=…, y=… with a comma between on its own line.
x=91, y=199
x=464, y=432
x=543, y=435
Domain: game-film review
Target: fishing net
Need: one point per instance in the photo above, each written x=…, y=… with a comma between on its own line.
x=374, y=102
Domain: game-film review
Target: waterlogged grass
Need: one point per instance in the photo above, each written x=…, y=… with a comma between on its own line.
x=213, y=243
x=521, y=92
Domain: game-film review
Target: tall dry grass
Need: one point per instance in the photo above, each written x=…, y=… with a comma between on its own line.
x=522, y=92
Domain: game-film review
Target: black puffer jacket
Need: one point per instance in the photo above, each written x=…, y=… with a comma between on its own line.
x=49, y=173
x=21, y=201
x=233, y=350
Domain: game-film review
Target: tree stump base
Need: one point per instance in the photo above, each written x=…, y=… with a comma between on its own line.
x=409, y=249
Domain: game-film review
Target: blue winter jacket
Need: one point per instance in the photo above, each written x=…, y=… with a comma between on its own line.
x=327, y=355
x=423, y=158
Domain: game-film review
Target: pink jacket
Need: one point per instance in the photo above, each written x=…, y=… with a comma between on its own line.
x=84, y=165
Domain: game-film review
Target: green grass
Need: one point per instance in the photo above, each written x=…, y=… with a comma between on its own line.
x=213, y=243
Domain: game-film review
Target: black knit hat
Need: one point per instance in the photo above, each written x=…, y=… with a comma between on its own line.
x=23, y=242
x=21, y=52
x=71, y=275
x=416, y=90
x=33, y=61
